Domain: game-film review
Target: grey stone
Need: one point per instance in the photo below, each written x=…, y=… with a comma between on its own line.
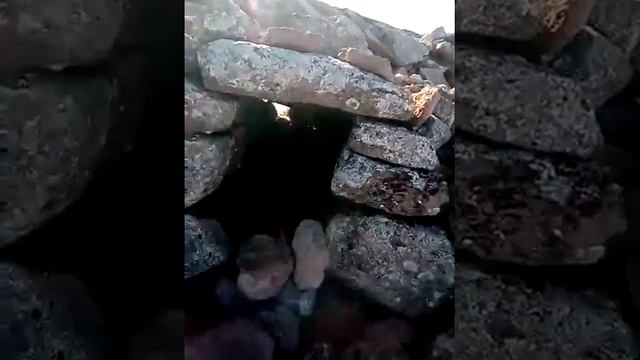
x=436, y=131
x=389, y=42
x=518, y=19
x=618, y=21
x=533, y=209
x=207, y=112
x=433, y=75
x=394, y=144
x=265, y=265
x=368, y=252
x=508, y=100
x=58, y=33
x=287, y=76
x=207, y=21
x=206, y=160
x=312, y=256
x=502, y=320
x=160, y=339
x=205, y=245
x=395, y=190
x=597, y=66
x=444, y=53
x=55, y=128
x=45, y=315
x=293, y=39
x=190, y=55
x=366, y=61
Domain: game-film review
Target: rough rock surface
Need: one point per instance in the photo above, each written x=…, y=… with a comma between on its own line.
x=410, y=269
x=237, y=339
x=436, y=131
x=597, y=66
x=395, y=190
x=206, y=159
x=205, y=245
x=293, y=39
x=54, y=130
x=394, y=144
x=265, y=265
x=57, y=33
x=519, y=19
x=312, y=256
x=366, y=61
x=287, y=76
x=434, y=75
x=220, y=19
x=445, y=109
x=524, y=208
x=388, y=42
x=47, y=315
x=618, y=21
x=161, y=339
x=500, y=320
x=206, y=112
x=190, y=55
x=511, y=101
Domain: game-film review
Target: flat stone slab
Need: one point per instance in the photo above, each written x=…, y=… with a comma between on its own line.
x=367, y=61
x=54, y=131
x=531, y=209
x=207, y=112
x=393, y=189
x=206, y=159
x=408, y=268
x=509, y=100
x=500, y=319
x=394, y=144
x=598, y=66
x=286, y=76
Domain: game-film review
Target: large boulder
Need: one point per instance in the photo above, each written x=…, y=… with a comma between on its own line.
x=533, y=209
x=408, y=268
x=393, y=189
x=58, y=33
x=286, y=76
x=512, y=101
x=499, y=319
x=206, y=21
x=55, y=129
x=48, y=315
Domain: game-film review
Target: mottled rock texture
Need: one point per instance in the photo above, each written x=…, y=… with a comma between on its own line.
x=394, y=144
x=393, y=189
x=205, y=245
x=503, y=320
x=408, y=268
x=160, y=339
x=618, y=21
x=48, y=315
x=509, y=100
x=206, y=21
x=311, y=254
x=54, y=130
x=436, y=131
x=599, y=67
x=58, y=33
x=206, y=160
x=205, y=111
x=526, y=208
x=265, y=265
x=287, y=76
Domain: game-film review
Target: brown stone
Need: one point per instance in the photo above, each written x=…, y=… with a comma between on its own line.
x=367, y=61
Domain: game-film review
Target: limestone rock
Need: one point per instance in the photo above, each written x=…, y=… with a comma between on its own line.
x=618, y=21
x=496, y=319
x=394, y=144
x=533, y=209
x=57, y=33
x=48, y=314
x=444, y=53
x=220, y=19
x=206, y=159
x=369, y=253
x=312, y=256
x=207, y=112
x=388, y=42
x=395, y=190
x=54, y=130
x=265, y=265
x=367, y=62
x=509, y=100
x=598, y=66
x=287, y=76
x=445, y=109
x=205, y=245
x=293, y=39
